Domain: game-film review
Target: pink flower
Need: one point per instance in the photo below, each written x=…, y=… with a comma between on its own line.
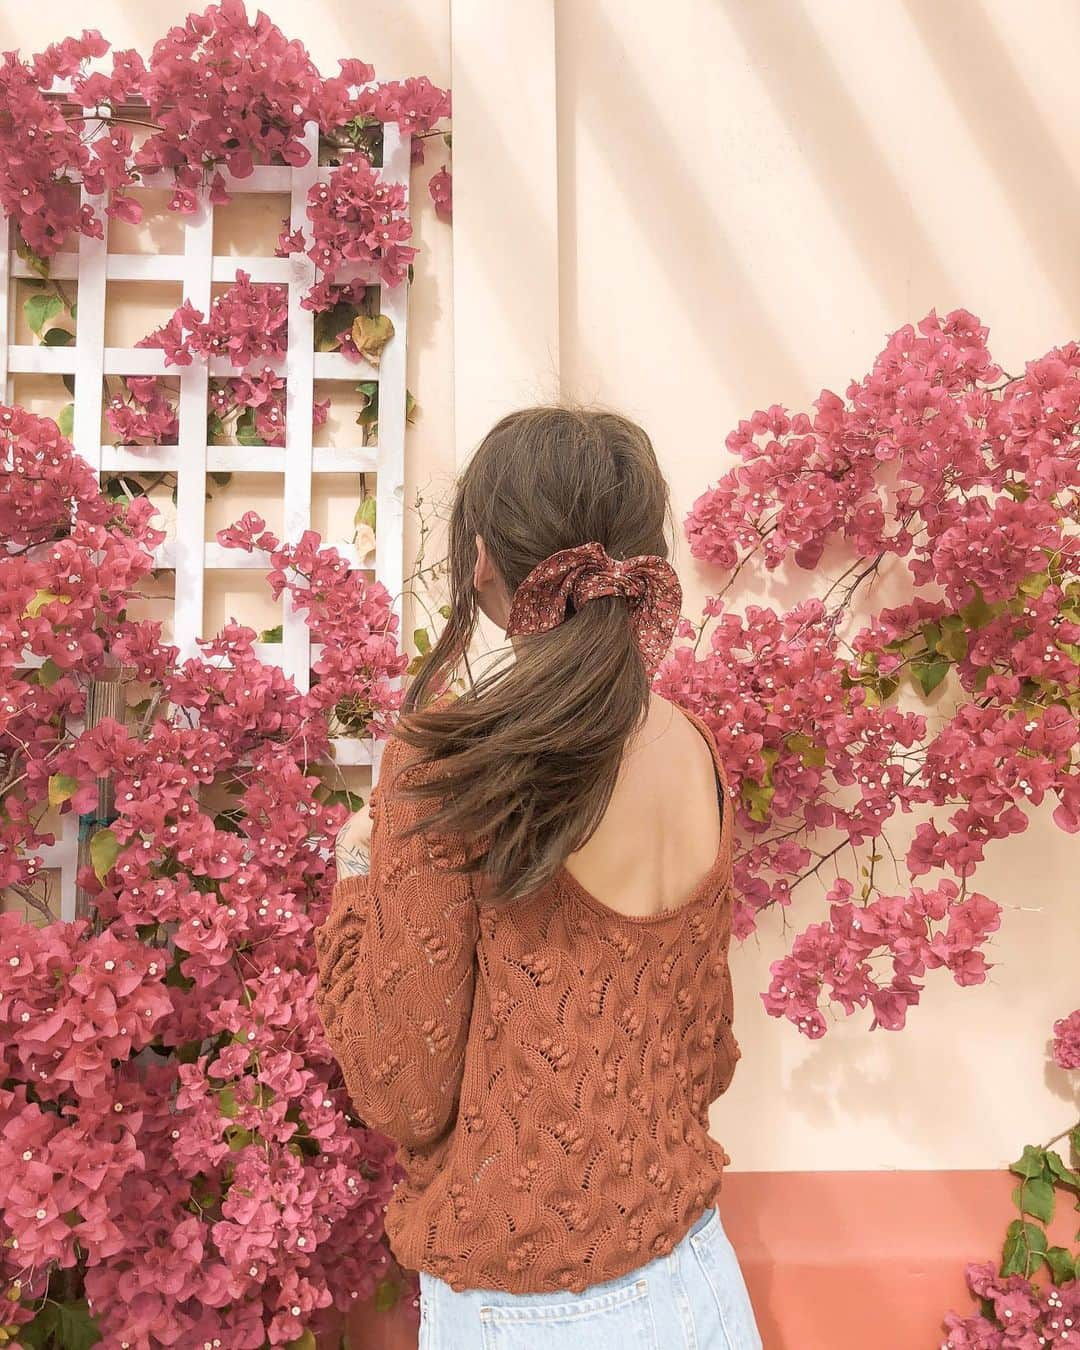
x=160, y=1066
x=440, y=186
x=1066, y=1048
x=360, y=221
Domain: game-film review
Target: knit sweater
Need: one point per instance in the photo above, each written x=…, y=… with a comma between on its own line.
x=546, y=1066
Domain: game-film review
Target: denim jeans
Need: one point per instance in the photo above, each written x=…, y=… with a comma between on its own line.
x=694, y=1298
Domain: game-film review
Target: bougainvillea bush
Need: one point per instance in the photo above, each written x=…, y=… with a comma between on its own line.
x=960, y=483
x=220, y=91
x=1032, y=1298
x=175, y=1144
x=179, y=1162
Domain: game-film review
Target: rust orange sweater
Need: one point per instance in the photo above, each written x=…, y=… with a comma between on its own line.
x=546, y=1067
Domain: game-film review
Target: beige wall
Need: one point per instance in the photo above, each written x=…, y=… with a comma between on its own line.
x=691, y=211
x=752, y=194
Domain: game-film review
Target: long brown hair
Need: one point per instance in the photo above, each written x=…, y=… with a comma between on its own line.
x=529, y=754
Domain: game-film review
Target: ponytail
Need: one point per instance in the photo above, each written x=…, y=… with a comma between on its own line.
x=521, y=766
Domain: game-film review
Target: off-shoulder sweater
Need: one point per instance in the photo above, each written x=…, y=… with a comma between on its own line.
x=545, y=1066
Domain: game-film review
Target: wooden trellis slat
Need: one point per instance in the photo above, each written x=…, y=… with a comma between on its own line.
x=197, y=269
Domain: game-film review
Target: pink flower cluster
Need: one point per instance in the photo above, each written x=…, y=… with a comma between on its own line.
x=1025, y=1315
x=146, y=417
x=173, y=1129
x=358, y=222
x=972, y=479
x=1066, y=1051
x=248, y=322
x=441, y=188
x=1033, y=1300
x=221, y=90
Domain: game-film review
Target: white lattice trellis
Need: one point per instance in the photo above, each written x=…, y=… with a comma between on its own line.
x=191, y=459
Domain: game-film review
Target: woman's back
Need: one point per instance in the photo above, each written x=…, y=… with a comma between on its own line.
x=556, y=1127
x=529, y=990
x=661, y=831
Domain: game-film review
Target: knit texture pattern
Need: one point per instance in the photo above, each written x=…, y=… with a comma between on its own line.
x=546, y=1067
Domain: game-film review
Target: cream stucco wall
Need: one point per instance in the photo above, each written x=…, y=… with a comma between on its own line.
x=752, y=193
x=694, y=210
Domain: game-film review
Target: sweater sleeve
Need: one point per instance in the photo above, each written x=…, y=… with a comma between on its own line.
x=396, y=960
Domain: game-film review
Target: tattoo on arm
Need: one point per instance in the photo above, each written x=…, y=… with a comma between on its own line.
x=353, y=860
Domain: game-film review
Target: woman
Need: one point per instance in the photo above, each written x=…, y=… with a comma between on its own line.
x=526, y=983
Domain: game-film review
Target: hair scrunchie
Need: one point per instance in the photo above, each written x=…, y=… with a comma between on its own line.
x=566, y=580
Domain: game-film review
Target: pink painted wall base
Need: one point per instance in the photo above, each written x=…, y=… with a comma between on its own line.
x=865, y=1260
x=842, y=1260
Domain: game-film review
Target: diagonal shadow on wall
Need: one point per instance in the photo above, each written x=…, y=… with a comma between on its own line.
x=1042, y=185
x=708, y=279
x=867, y=199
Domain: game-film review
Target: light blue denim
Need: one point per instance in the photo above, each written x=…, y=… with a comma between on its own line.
x=694, y=1298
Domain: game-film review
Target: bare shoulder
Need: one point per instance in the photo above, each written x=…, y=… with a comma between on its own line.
x=670, y=747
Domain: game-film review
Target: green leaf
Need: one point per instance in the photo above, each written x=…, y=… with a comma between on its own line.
x=757, y=798
x=1074, y=1140
x=271, y=634
x=33, y=260
x=343, y=797
x=305, y=1341
x=330, y=323
x=1023, y=1251
x=237, y=1138
x=215, y=427
x=803, y=746
x=929, y=674
x=410, y=407
x=66, y=1325
x=61, y=788
x=445, y=611
x=1062, y=1265
x=39, y=309
x=1031, y=1163
x=104, y=850
x=1034, y=584
x=977, y=613
x=176, y=979
x=371, y=335
x=387, y=1294
x=48, y=673
x=66, y=420
x=954, y=638
x=422, y=640
x=1060, y=1170
x=40, y=600
x=245, y=430
x=366, y=512
x=228, y=1103
x=58, y=337
x=1035, y=1197
x=76, y=1329
x=221, y=479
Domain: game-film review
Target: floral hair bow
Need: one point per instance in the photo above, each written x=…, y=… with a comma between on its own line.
x=566, y=580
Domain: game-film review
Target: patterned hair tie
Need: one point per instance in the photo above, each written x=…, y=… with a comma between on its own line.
x=576, y=575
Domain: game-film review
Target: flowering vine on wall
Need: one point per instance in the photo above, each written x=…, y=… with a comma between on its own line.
x=963, y=700
x=179, y=1164
x=1031, y=1299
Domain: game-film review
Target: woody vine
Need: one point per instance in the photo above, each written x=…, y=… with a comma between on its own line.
x=179, y=1163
